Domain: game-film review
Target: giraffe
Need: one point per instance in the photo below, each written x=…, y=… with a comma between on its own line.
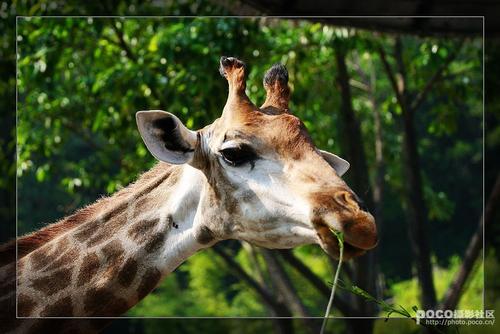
x=254, y=174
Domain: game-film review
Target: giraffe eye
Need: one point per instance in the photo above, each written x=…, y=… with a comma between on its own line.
x=238, y=155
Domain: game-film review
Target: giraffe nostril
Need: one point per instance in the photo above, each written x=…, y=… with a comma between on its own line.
x=344, y=199
x=350, y=201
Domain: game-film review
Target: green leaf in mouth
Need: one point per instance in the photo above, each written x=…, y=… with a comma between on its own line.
x=340, y=237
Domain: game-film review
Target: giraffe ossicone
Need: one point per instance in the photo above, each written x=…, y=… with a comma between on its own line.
x=254, y=174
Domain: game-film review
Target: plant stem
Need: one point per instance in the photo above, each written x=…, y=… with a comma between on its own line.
x=340, y=238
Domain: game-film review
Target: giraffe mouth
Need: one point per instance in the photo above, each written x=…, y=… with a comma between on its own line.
x=330, y=243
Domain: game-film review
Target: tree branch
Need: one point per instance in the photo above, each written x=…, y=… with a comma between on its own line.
x=359, y=85
x=398, y=55
x=123, y=43
x=298, y=265
x=435, y=78
x=356, y=65
x=391, y=76
x=254, y=260
x=287, y=290
x=278, y=309
x=416, y=211
x=267, y=297
x=454, y=292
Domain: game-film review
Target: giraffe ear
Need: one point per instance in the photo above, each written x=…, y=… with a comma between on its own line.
x=340, y=165
x=166, y=137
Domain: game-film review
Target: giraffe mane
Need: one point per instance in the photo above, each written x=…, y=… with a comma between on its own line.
x=30, y=242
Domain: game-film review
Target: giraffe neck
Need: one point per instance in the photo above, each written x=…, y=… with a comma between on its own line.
x=122, y=250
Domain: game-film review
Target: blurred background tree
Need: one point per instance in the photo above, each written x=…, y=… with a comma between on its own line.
x=81, y=80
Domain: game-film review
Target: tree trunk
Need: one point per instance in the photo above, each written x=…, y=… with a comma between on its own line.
x=352, y=141
x=416, y=209
x=364, y=275
x=278, y=308
x=378, y=186
x=417, y=212
x=344, y=307
x=285, y=288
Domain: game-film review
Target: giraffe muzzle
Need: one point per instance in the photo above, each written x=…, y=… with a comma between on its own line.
x=358, y=227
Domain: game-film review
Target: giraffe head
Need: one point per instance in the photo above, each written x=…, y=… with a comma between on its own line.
x=266, y=181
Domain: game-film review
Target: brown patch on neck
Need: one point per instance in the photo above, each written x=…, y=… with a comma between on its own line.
x=113, y=256
x=140, y=230
x=117, y=306
x=88, y=270
x=101, y=302
x=148, y=282
x=25, y=305
x=111, y=226
x=87, y=230
x=205, y=235
x=113, y=250
x=53, y=283
x=94, y=299
x=62, y=308
x=67, y=258
x=128, y=273
x=42, y=257
x=155, y=242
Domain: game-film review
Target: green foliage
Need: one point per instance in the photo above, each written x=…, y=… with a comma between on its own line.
x=407, y=292
x=221, y=294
